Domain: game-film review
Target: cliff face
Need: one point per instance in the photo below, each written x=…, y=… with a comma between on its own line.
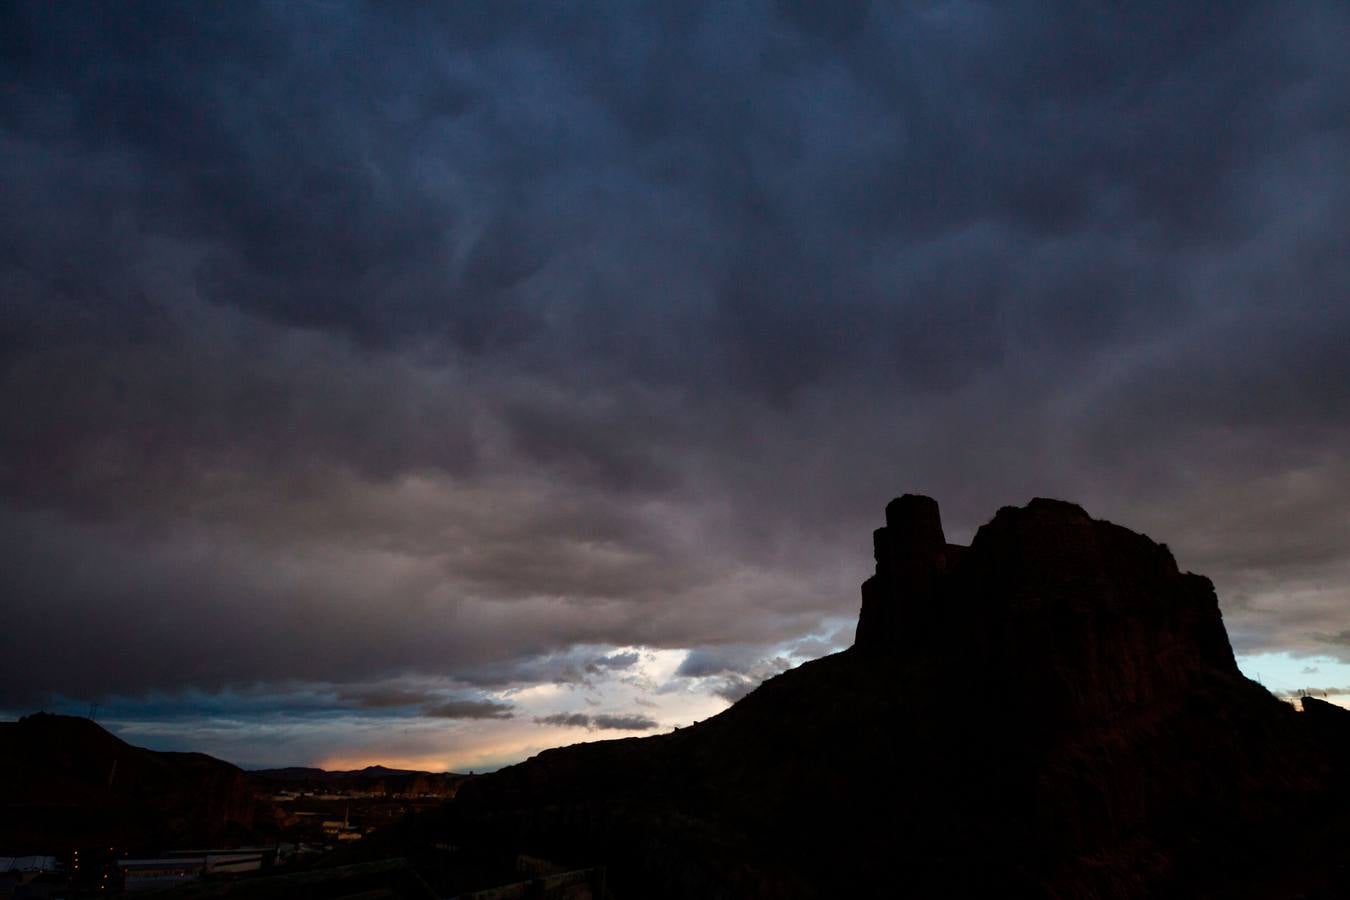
x=1089, y=618
x=1106, y=680
x=1053, y=711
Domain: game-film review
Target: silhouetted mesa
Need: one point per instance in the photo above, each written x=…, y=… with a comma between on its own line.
x=1101, y=616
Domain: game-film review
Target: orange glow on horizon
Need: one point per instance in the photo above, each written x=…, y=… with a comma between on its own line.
x=478, y=759
x=352, y=763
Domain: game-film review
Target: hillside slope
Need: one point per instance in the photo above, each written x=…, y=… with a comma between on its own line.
x=65, y=782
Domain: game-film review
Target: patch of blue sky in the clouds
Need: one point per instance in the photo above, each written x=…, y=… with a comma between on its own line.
x=1287, y=674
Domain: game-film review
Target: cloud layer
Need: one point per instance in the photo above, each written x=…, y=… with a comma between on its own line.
x=351, y=344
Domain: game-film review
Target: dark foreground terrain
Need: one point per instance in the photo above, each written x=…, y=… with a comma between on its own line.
x=1053, y=711
x=71, y=790
x=374, y=780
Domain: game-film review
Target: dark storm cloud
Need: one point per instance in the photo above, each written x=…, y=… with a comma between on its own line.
x=382, y=696
x=577, y=666
x=601, y=722
x=573, y=720
x=616, y=661
x=469, y=709
x=734, y=687
x=350, y=341
x=623, y=722
x=732, y=671
x=704, y=661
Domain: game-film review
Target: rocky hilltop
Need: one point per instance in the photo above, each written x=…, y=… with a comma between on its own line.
x=1053, y=711
x=66, y=783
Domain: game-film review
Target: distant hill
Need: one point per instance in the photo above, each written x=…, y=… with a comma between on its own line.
x=65, y=782
x=1052, y=712
x=371, y=779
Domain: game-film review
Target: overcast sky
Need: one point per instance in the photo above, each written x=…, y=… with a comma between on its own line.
x=428, y=386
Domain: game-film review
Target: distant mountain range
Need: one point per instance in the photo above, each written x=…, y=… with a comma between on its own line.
x=66, y=783
x=370, y=780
